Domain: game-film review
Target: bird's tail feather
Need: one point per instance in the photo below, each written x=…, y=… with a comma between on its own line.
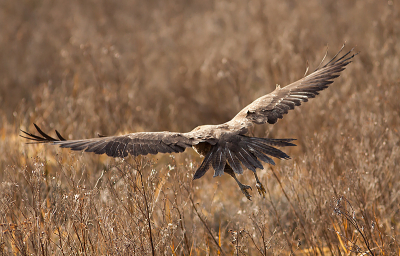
x=247, y=152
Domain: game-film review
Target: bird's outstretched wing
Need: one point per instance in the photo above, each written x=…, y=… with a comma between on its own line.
x=141, y=143
x=273, y=106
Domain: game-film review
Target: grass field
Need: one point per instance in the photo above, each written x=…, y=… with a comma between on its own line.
x=113, y=67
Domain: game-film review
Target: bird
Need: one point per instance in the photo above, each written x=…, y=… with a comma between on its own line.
x=227, y=147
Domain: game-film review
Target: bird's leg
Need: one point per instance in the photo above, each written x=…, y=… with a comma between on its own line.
x=259, y=186
x=242, y=187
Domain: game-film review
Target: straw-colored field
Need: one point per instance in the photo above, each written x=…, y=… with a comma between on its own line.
x=113, y=67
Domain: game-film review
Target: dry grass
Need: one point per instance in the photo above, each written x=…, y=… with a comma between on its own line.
x=109, y=67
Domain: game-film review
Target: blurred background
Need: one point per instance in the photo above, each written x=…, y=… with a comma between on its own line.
x=114, y=67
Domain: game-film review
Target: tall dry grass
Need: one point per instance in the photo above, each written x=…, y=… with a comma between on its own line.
x=110, y=67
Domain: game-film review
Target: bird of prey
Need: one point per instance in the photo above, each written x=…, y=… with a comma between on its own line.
x=227, y=147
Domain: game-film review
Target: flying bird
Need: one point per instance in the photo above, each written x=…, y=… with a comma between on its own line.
x=227, y=147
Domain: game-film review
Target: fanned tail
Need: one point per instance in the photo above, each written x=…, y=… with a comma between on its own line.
x=247, y=151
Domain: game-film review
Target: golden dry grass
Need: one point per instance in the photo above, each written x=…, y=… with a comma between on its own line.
x=109, y=67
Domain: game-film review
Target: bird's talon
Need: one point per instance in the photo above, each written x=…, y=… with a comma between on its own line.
x=244, y=189
x=261, y=189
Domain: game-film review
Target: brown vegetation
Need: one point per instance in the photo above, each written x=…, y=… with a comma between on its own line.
x=112, y=67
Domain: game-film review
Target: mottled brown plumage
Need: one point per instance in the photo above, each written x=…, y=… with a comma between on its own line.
x=225, y=147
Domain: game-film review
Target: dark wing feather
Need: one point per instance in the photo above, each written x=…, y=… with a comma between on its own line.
x=273, y=106
x=141, y=143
